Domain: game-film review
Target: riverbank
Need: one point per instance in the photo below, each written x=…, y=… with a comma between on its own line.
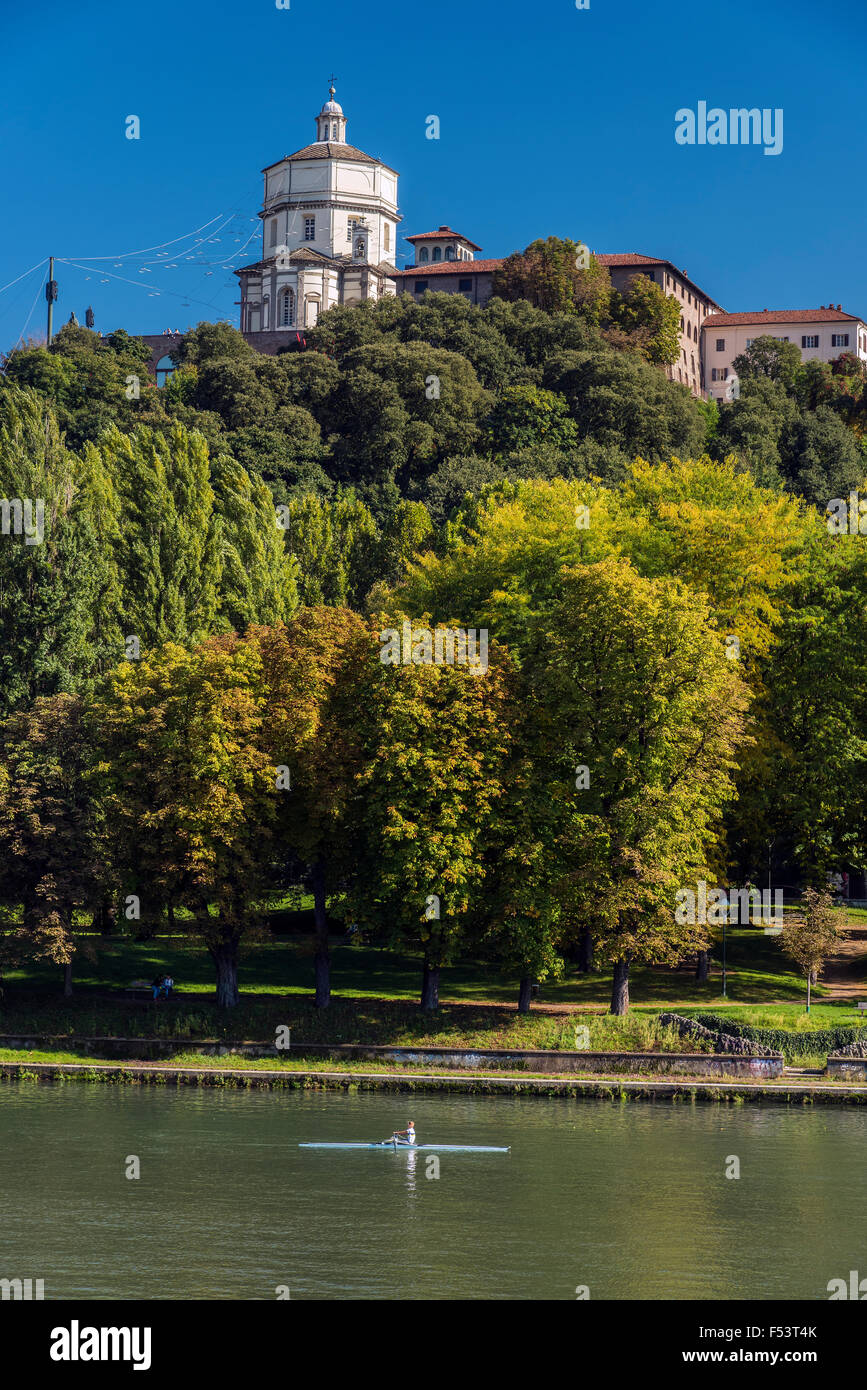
x=295, y=1076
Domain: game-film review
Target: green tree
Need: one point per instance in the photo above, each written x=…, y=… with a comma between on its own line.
x=769, y=357
x=258, y=575
x=435, y=740
x=630, y=684
x=169, y=547
x=651, y=318
x=624, y=403
x=526, y=417
x=549, y=274
x=58, y=582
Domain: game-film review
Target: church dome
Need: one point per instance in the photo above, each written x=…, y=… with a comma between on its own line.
x=331, y=108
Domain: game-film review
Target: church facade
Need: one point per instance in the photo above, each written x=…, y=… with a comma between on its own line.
x=329, y=233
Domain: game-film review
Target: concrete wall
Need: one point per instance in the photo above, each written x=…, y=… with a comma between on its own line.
x=657, y=1063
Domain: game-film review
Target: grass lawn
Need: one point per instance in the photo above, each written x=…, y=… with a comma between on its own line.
x=376, y=993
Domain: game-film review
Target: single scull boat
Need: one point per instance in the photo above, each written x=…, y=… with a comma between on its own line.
x=414, y=1148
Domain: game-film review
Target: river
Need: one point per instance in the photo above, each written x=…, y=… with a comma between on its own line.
x=627, y=1199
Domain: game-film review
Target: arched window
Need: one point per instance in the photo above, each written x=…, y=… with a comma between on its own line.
x=334, y=131
x=450, y=253
x=287, y=309
x=273, y=231
x=165, y=370
x=438, y=253
x=359, y=247
x=423, y=256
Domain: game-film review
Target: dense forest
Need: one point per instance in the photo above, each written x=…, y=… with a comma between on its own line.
x=196, y=712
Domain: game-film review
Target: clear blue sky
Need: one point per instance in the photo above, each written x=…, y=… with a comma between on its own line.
x=553, y=121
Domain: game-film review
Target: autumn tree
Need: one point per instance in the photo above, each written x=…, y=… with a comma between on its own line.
x=435, y=739
x=551, y=275
x=50, y=865
x=188, y=789
x=312, y=670
x=809, y=937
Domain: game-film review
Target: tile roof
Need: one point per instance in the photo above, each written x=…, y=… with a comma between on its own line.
x=443, y=233
x=327, y=149
x=451, y=268
x=627, y=258
x=762, y=316
x=301, y=253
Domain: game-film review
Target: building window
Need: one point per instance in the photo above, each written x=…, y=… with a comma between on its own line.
x=839, y=340
x=386, y=234
x=165, y=370
x=334, y=131
x=437, y=254
x=286, y=317
x=423, y=256
x=465, y=286
x=721, y=344
x=309, y=228
x=359, y=248
x=719, y=373
x=749, y=342
x=273, y=231
x=450, y=253
x=810, y=340
x=420, y=286
x=351, y=226
x=266, y=311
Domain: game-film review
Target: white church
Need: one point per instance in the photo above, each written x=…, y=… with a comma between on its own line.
x=329, y=232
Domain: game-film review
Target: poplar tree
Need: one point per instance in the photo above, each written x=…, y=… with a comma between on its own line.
x=258, y=574
x=57, y=593
x=168, y=545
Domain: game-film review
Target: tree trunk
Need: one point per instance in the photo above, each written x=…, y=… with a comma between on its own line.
x=620, y=988
x=702, y=970
x=67, y=980
x=524, y=994
x=225, y=958
x=585, y=951
x=323, y=954
x=170, y=916
x=430, y=987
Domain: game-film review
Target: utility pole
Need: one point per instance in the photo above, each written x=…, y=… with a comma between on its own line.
x=51, y=295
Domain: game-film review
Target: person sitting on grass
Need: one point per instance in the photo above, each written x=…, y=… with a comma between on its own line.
x=168, y=986
x=156, y=985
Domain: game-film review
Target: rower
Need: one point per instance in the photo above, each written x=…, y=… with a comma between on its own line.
x=405, y=1136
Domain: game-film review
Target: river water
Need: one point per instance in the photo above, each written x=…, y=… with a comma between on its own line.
x=628, y=1199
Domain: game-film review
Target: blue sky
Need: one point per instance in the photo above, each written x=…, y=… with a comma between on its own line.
x=553, y=121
